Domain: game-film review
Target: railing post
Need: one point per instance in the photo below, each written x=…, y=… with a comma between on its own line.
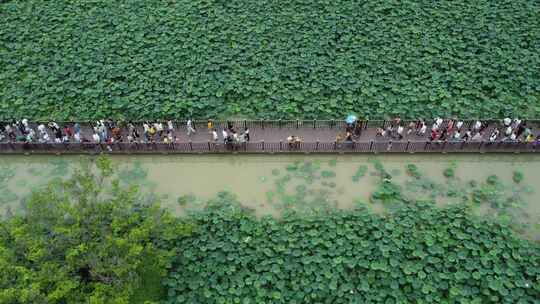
x=354, y=145
x=332, y=123
x=279, y=123
x=383, y=123
x=389, y=146
x=335, y=145
x=407, y=146
x=245, y=124
x=209, y=149
x=262, y=124
x=262, y=142
x=190, y=146
x=280, y=145
x=314, y=124
x=371, y=145
x=425, y=146
x=297, y=123
x=317, y=145
x=366, y=124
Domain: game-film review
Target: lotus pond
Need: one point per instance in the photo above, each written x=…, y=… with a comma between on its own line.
x=504, y=187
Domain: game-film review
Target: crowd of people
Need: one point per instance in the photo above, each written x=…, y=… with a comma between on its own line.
x=109, y=132
x=509, y=130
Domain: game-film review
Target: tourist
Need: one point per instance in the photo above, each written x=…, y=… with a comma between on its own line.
x=246, y=134
x=411, y=127
x=468, y=135
x=210, y=126
x=96, y=138
x=151, y=132
x=450, y=126
x=10, y=132
x=459, y=125
x=508, y=131
x=58, y=135
x=235, y=137
x=434, y=134
x=348, y=136
x=190, y=128
x=44, y=138
x=507, y=121
x=76, y=128
x=494, y=135
x=30, y=135
x=135, y=134
x=159, y=129
x=77, y=137
x=400, y=132
x=477, y=126
x=443, y=136
x=215, y=137
x=225, y=135
x=380, y=132
x=529, y=138
x=423, y=129
x=457, y=135
x=146, y=127
x=294, y=141
x=170, y=126
x=520, y=129
x=116, y=133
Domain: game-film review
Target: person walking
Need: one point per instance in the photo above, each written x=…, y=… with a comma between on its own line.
x=215, y=137
x=190, y=128
x=246, y=134
x=225, y=136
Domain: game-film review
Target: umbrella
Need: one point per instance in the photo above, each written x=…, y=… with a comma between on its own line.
x=351, y=119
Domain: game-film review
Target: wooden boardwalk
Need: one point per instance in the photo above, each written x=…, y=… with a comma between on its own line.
x=271, y=137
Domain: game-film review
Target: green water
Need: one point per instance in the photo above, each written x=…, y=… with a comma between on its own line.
x=271, y=184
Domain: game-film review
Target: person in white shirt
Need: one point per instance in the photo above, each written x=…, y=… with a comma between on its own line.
x=423, y=129
x=459, y=124
x=400, y=132
x=77, y=137
x=457, y=135
x=508, y=131
x=96, y=138
x=507, y=121
x=44, y=137
x=30, y=136
x=214, y=135
x=477, y=125
x=189, y=126
x=225, y=135
x=494, y=135
x=170, y=125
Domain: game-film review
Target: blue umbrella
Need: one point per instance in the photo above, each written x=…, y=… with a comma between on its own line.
x=351, y=119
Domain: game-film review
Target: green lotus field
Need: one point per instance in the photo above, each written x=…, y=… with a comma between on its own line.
x=268, y=59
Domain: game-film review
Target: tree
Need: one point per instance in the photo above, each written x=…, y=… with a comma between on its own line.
x=87, y=239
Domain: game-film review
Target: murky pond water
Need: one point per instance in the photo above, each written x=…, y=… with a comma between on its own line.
x=505, y=186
